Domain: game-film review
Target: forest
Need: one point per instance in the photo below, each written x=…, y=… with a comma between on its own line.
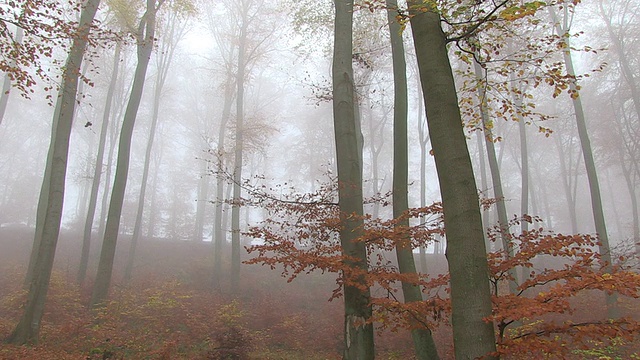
x=319, y=179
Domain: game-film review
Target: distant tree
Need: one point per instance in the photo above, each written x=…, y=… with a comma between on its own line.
x=563, y=31
x=97, y=174
x=53, y=185
x=620, y=31
x=174, y=28
x=494, y=170
x=145, y=37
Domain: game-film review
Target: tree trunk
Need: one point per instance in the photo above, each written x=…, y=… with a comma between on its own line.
x=97, y=174
x=166, y=51
x=237, y=163
x=423, y=342
x=218, y=229
x=146, y=36
x=53, y=186
x=496, y=179
x=423, y=137
x=630, y=179
x=483, y=182
x=567, y=185
x=585, y=144
x=466, y=253
x=358, y=331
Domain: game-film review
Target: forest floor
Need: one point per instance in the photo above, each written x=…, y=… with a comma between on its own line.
x=171, y=310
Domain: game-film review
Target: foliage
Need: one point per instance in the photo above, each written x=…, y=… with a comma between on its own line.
x=47, y=28
x=301, y=237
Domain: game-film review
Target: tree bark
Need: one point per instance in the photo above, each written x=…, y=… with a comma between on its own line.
x=145, y=37
x=53, y=186
x=423, y=343
x=358, y=330
x=218, y=228
x=237, y=163
x=496, y=179
x=97, y=174
x=585, y=144
x=165, y=52
x=466, y=253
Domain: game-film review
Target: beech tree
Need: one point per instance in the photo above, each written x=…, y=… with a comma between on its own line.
x=563, y=30
x=174, y=28
x=422, y=339
x=97, y=174
x=145, y=37
x=53, y=185
x=358, y=330
x=466, y=252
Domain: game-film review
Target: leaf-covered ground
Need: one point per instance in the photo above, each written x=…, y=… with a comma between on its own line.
x=171, y=311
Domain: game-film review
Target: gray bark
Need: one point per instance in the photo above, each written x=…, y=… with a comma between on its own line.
x=53, y=186
x=358, y=332
x=423, y=343
x=218, y=236
x=496, y=179
x=145, y=37
x=466, y=253
x=585, y=144
x=166, y=51
x=237, y=163
x=97, y=174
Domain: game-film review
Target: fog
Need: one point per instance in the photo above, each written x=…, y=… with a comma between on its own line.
x=288, y=143
x=292, y=130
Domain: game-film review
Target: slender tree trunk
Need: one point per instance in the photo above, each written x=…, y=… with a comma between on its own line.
x=423, y=137
x=375, y=154
x=53, y=186
x=104, y=204
x=524, y=159
x=143, y=184
x=201, y=203
x=146, y=36
x=466, y=253
x=496, y=179
x=151, y=226
x=358, y=331
x=173, y=33
x=218, y=236
x=567, y=186
x=237, y=167
x=585, y=144
x=423, y=342
x=97, y=174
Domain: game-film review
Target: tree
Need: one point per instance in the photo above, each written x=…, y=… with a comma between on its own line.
x=53, y=185
x=494, y=169
x=466, y=252
x=620, y=32
x=175, y=29
x=423, y=341
x=563, y=31
x=145, y=37
x=358, y=330
x=97, y=174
